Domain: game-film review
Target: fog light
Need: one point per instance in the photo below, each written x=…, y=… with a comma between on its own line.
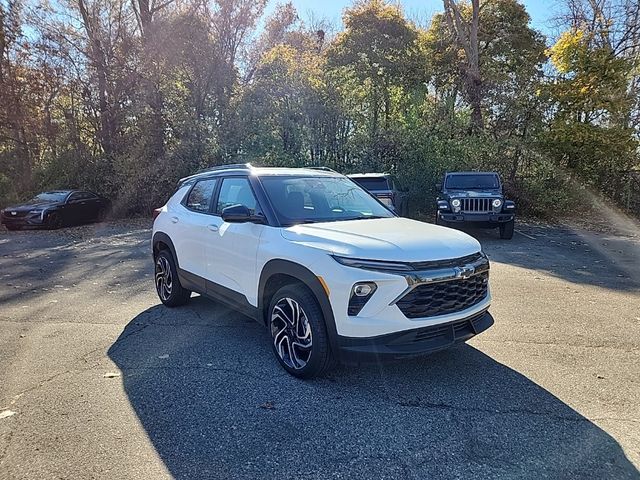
x=360, y=295
x=362, y=290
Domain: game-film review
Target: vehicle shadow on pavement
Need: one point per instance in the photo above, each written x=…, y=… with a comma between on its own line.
x=215, y=404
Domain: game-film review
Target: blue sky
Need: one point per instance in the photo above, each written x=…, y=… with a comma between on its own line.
x=541, y=11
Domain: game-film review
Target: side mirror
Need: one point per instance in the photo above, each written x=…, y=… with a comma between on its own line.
x=240, y=214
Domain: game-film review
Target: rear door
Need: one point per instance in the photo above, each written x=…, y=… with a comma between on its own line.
x=192, y=219
x=232, y=247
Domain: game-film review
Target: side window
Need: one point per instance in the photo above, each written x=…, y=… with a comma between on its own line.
x=236, y=191
x=200, y=196
x=84, y=196
x=74, y=197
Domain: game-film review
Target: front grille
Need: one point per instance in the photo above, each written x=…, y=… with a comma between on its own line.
x=19, y=214
x=433, y=299
x=449, y=263
x=476, y=204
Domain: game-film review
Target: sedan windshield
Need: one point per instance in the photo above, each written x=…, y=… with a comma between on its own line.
x=50, y=197
x=461, y=182
x=320, y=199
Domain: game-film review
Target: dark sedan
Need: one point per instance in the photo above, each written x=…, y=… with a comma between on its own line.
x=56, y=209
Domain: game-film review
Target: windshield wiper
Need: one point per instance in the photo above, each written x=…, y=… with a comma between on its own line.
x=366, y=217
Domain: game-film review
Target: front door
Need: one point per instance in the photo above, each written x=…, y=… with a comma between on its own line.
x=233, y=247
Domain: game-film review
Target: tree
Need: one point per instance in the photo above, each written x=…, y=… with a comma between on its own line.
x=588, y=131
x=379, y=49
x=466, y=35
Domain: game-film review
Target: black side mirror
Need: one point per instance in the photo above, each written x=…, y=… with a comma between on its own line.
x=240, y=214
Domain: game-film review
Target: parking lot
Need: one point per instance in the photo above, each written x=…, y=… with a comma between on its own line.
x=98, y=380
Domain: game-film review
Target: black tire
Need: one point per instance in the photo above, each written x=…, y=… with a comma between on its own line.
x=438, y=221
x=304, y=362
x=168, y=287
x=54, y=221
x=506, y=230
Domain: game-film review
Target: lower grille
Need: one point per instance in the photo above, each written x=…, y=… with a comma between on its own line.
x=476, y=204
x=430, y=300
x=459, y=329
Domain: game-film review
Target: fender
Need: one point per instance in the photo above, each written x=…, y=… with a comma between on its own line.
x=306, y=276
x=164, y=238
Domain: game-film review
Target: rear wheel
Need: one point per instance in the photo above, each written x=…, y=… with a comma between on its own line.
x=168, y=286
x=298, y=332
x=506, y=230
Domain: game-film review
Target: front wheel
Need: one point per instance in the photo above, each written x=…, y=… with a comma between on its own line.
x=101, y=215
x=506, y=230
x=298, y=332
x=168, y=286
x=53, y=221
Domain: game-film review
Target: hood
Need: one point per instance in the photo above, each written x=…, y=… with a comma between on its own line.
x=474, y=194
x=393, y=239
x=31, y=205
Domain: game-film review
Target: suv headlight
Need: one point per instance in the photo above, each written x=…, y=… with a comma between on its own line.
x=497, y=203
x=455, y=202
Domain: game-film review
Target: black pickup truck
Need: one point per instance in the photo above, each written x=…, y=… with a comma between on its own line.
x=475, y=198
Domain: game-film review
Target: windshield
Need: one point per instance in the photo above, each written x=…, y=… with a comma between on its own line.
x=461, y=182
x=372, y=183
x=320, y=199
x=50, y=197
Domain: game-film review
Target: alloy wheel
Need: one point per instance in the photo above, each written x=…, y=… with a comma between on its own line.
x=291, y=332
x=164, y=279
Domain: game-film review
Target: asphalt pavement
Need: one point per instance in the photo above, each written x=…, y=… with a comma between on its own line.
x=98, y=380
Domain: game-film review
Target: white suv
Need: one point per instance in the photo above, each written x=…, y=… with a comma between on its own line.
x=331, y=272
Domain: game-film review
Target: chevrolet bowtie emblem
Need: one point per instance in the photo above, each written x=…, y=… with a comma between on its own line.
x=465, y=272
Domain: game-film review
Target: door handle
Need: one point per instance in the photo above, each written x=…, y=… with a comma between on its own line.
x=174, y=219
x=213, y=228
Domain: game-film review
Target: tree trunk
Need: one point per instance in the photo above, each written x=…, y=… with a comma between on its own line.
x=467, y=37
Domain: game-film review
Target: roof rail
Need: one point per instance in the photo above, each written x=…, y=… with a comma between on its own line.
x=231, y=166
x=324, y=169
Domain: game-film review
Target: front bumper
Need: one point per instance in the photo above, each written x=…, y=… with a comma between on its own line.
x=412, y=343
x=30, y=220
x=486, y=218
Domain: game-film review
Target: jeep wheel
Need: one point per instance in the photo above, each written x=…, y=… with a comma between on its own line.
x=298, y=332
x=168, y=286
x=506, y=230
